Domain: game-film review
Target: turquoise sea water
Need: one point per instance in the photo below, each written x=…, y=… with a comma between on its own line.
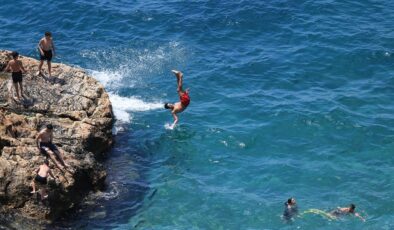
x=289, y=98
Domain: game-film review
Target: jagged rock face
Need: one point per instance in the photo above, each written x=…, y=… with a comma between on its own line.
x=80, y=111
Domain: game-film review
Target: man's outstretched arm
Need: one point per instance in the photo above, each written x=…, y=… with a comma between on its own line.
x=359, y=216
x=8, y=67
x=40, y=48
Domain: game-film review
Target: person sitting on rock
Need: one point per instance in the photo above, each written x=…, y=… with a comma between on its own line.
x=41, y=178
x=16, y=68
x=46, y=147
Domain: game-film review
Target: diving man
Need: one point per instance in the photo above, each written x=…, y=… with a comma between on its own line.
x=184, y=98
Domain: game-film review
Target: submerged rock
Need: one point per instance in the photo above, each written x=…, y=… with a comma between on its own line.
x=80, y=111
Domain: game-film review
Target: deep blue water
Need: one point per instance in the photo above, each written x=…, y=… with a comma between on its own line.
x=289, y=98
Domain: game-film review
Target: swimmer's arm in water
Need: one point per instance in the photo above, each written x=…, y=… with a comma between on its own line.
x=175, y=118
x=359, y=216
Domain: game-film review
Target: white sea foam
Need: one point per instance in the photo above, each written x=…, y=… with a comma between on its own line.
x=122, y=106
x=169, y=126
x=127, y=65
x=111, y=79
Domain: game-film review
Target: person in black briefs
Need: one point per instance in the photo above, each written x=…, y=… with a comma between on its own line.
x=16, y=68
x=41, y=178
x=47, y=51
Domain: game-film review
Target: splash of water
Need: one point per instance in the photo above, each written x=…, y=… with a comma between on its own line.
x=132, y=66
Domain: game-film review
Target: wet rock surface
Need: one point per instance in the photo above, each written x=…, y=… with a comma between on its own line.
x=80, y=111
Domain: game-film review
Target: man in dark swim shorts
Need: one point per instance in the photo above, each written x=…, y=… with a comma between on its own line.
x=17, y=77
x=16, y=68
x=47, y=51
x=41, y=178
x=47, y=55
x=46, y=147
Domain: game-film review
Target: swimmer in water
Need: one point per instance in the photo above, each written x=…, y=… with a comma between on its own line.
x=346, y=211
x=291, y=209
x=183, y=97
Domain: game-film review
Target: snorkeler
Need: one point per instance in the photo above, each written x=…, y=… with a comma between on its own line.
x=183, y=97
x=346, y=211
x=291, y=209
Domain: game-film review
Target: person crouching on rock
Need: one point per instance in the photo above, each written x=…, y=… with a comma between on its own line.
x=46, y=147
x=41, y=178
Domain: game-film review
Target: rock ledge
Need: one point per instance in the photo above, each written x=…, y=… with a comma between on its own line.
x=80, y=111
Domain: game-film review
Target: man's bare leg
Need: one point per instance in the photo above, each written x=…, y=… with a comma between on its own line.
x=21, y=88
x=53, y=158
x=17, y=90
x=34, y=186
x=61, y=158
x=40, y=67
x=49, y=68
x=179, y=80
x=43, y=193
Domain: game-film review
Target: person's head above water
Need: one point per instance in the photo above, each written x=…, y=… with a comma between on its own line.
x=352, y=207
x=15, y=55
x=49, y=126
x=291, y=201
x=48, y=34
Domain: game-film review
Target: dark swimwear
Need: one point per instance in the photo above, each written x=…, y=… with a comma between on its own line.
x=49, y=145
x=41, y=180
x=338, y=213
x=47, y=55
x=17, y=77
x=288, y=213
x=185, y=99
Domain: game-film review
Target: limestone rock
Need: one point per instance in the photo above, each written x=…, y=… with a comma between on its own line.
x=80, y=111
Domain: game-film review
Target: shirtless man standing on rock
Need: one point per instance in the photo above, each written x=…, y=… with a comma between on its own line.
x=16, y=68
x=47, y=51
x=183, y=97
x=45, y=145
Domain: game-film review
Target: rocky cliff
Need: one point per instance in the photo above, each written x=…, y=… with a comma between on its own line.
x=80, y=111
